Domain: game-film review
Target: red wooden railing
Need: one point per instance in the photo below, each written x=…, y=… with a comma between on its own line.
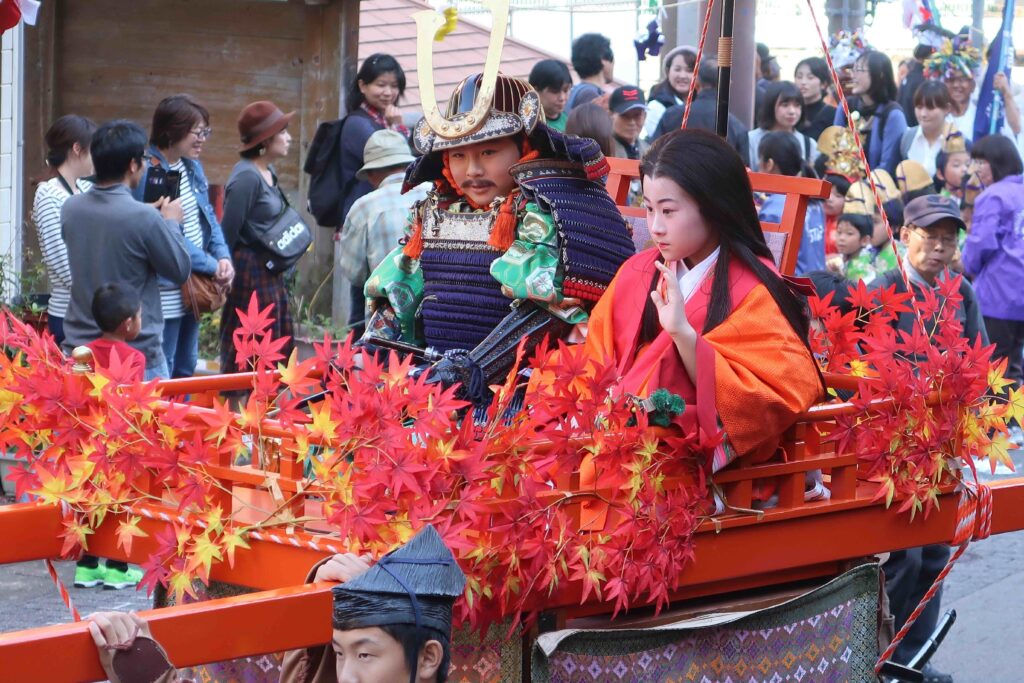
x=794, y=541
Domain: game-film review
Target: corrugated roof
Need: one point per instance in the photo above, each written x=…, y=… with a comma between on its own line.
x=387, y=26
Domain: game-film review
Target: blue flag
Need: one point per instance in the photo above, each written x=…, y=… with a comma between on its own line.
x=991, y=110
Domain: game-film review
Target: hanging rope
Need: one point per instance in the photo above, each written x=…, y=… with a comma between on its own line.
x=63, y=590
x=974, y=509
x=696, y=63
x=973, y=522
x=65, y=595
x=863, y=158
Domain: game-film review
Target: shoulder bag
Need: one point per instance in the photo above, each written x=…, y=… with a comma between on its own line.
x=286, y=239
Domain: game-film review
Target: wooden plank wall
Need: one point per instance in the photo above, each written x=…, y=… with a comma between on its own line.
x=119, y=59
x=110, y=59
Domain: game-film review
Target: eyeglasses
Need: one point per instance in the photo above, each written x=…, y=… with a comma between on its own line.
x=202, y=133
x=860, y=69
x=945, y=240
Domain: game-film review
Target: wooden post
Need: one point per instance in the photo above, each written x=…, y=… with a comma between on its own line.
x=348, y=64
x=322, y=91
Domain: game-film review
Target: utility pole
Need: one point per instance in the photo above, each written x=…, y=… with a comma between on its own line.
x=846, y=15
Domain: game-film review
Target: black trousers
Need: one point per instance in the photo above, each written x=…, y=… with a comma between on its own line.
x=908, y=576
x=1008, y=336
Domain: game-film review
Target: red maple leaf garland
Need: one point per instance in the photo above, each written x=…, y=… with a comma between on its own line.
x=927, y=400
x=388, y=453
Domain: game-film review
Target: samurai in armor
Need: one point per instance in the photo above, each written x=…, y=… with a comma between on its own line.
x=517, y=238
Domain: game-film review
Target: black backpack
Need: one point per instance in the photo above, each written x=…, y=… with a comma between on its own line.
x=323, y=164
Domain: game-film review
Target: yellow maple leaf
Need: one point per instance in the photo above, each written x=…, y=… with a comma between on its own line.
x=999, y=452
x=127, y=531
x=997, y=381
x=1015, y=405
x=99, y=383
x=180, y=585
x=214, y=519
x=322, y=426
x=232, y=539
x=204, y=552
x=56, y=488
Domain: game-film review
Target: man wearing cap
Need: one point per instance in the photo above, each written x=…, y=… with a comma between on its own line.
x=517, y=238
x=392, y=623
x=931, y=228
x=629, y=112
x=378, y=220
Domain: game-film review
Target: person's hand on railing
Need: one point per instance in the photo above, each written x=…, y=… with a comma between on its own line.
x=127, y=650
x=342, y=567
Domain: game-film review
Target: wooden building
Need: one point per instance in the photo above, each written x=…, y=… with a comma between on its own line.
x=109, y=59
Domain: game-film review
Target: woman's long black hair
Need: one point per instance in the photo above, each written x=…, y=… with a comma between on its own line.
x=713, y=175
x=374, y=66
x=883, y=81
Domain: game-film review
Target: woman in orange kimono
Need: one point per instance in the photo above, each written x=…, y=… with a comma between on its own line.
x=705, y=314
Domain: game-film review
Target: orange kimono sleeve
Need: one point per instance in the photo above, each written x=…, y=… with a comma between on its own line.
x=599, y=345
x=763, y=377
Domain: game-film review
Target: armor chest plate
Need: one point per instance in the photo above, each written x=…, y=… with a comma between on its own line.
x=448, y=230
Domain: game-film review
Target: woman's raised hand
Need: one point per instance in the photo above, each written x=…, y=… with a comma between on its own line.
x=668, y=299
x=392, y=115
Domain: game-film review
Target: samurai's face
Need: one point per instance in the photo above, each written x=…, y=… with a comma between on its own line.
x=481, y=170
x=372, y=655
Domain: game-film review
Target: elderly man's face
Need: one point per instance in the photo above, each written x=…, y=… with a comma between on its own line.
x=930, y=250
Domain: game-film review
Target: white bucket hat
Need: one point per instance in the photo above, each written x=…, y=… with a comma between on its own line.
x=384, y=149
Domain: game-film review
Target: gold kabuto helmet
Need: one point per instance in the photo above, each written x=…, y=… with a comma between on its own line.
x=912, y=177
x=512, y=106
x=860, y=201
x=840, y=149
x=887, y=188
x=484, y=106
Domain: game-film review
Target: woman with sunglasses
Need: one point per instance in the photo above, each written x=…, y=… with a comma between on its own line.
x=181, y=126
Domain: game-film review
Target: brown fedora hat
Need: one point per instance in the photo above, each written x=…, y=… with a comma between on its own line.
x=259, y=122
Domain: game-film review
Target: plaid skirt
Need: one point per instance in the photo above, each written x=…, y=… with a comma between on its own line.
x=252, y=277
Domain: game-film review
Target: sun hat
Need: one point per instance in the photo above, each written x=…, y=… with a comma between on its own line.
x=259, y=122
x=385, y=149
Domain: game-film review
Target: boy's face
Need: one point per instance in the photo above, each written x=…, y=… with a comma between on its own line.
x=553, y=101
x=880, y=235
x=131, y=327
x=834, y=203
x=956, y=166
x=371, y=655
x=849, y=241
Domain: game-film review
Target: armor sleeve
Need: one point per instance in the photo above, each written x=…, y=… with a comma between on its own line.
x=531, y=269
x=395, y=287
x=397, y=284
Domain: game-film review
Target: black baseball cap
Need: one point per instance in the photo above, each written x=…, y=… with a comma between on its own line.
x=626, y=97
x=928, y=210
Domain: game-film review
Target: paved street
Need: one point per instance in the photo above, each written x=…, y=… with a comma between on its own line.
x=986, y=588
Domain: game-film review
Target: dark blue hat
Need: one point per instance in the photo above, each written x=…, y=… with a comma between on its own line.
x=416, y=584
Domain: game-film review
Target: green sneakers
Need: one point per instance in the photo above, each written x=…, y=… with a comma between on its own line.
x=87, y=577
x=116, y=579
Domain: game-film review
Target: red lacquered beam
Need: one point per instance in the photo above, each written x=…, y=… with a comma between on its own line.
x=746, y=554
x=197, y=633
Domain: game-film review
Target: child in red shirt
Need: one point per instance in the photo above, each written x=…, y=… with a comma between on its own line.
x=118, y=313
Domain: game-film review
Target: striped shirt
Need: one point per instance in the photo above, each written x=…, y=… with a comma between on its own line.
x=170, y=299
x=46, y=207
